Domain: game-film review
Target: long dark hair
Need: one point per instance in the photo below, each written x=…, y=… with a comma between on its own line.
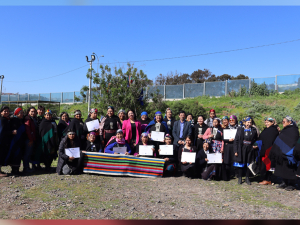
x=28, y=110
x=130, y=110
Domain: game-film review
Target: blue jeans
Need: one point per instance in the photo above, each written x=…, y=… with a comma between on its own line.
x=27, y=154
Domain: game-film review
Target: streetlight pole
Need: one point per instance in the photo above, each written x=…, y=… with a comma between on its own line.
x=1, y=77
x=97, y=68
x=90, y=85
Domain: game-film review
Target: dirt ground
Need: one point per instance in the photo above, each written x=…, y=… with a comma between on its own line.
x=50, y=196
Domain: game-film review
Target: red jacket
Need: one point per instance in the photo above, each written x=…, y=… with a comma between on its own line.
x=126, y=127
x=30, y=129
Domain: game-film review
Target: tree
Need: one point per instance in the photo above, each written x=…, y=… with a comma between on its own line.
x=199, y=76
x=121, y=90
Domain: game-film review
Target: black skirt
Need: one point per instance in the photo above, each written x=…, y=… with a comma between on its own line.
x=248, y=154
x=228, y=154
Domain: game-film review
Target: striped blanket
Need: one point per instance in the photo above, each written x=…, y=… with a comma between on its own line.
x=122, y=165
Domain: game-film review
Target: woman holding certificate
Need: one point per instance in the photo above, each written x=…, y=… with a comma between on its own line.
x=117, y=144
x=187, y=158
x=229, y=132
x=244, y=151
x=109, y=125
x=157, y=129
x=76, y=125
x=145, y=147
x=167, y=151
x=199, y=130
x=215, y=134
x=93, y=116
x=70, y=159
x=132, y=130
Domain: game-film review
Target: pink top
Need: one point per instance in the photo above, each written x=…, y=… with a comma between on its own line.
x=126, y=127
x=206, y=136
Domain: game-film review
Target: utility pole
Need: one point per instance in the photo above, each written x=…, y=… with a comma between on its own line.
x=98, y=67
x=1, y=77
x=90, y=85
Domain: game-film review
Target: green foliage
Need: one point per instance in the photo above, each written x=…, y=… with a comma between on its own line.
x=260, y=89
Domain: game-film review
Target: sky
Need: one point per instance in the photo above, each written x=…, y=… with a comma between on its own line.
x=43, y=45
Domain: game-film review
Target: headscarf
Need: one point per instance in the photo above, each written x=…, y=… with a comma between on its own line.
x=207, y=141
x=119, y=131
x=144, y=113
x=225, y=118
x=122, y=110
x=144, y=134
x=233, y=117
x=158, y=113
x=111, y=107
x=248, y=118
x=92, y=133
x=17, y=110
x=48, y=112
x=94, y=110
x=212, y=110
x=168, y=136
x=77, y=112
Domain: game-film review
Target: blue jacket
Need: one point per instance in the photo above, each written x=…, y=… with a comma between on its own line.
x=109, y=148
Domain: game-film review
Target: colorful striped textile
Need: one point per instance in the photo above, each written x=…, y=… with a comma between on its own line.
x=122, y=165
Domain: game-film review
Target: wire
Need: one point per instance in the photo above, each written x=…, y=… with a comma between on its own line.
x=176, y=57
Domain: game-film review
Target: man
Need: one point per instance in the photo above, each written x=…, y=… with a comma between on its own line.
x=40, y=114
x=169, y=120
x=181, y=129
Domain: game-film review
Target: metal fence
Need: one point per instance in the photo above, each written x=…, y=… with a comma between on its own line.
x=190, y=90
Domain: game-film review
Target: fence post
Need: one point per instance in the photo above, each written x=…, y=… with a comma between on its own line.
x=28, y=97
x=183, y=89
x=74, y=97
x=39, y=96
x=50, y=97
x=164, y=92
x=276, y=89
x=226, y=82
x=62, y=97
x=204, y=88
x=8, y=97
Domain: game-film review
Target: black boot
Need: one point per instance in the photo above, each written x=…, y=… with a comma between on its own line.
x=15, y=171
x=240, y=180
x=282, y=185
x=248, y=181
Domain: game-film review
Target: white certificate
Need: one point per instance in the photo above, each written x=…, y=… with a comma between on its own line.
x=166, y=149
x=73, y=152
x=120, y=150
x=188, y=157
x=157, y=136
x=214, y=158
x=145, y=150
x=93, y=125
x=229, y=133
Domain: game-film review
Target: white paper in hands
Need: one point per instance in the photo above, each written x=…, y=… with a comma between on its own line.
x=214, y=158
x=146, y=150
x=157, y=136
x=93, y=125
x=73, y=152
x=229, y=133
x=121, y=150
x=188, y=157
x=166, y=149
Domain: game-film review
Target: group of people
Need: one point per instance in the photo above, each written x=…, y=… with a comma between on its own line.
x=34, y=137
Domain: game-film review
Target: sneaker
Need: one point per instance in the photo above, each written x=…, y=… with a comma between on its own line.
x=289, y=188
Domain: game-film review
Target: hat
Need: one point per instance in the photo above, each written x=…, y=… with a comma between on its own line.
x=48, y=112
x=144, y=114
x=17, y=110
x=168, y=136
x=212, y=110
x=94, y=110
x=119, y=131
x=4, y=107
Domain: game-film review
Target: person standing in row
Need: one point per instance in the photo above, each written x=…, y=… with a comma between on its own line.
x=5, y=135
x=109, y=125
x=131, y=130
x=281, y=154
x=181, y=129
x=17, y=145
x=122, y=116
x=64, y=122
x=76, y=125
x=169, y=120
x=145, y=120
x=93, y=115
x=228, y=154
x=212, y=116
x=40, y=114
x=199, y=130
x=244, y=151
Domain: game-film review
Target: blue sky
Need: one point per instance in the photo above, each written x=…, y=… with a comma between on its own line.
x=38, y=42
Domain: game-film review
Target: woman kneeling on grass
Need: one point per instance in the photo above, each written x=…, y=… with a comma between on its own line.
x=117, y=141
x=68, y=164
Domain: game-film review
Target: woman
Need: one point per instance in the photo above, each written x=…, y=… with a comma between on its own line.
x=93, y=144
x=225, y=122
x=199, y=130
x=207, y=170
x=281, y=154
x=122, y=116
x=117, y=141
x=215, y=135
x=145, y=120
x=228, y=154
x=17, y=145
x=93, y=115
x=76, y=125
x=48, y=132
x=63, y=123
x=212, y=116
x=131, y=130
x=267, y=138
x=170, y=160
x=157, y=125
x=5, y=135
x=144, y=140
x=244, y=151
x=109, y=126
x=187, y=168
x=67, y=165
x=32, y=134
